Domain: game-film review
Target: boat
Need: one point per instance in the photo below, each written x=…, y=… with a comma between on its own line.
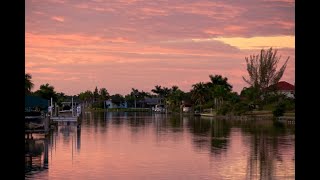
x=159, y=108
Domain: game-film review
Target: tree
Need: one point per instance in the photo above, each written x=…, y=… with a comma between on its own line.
x=161, y=92
x=95, y=94
x=117, y=99
x=198, y=93
x=175, y=97
x=103, y=94
x=138, y=95
x=135, y=94
x=262, y=69
x=28, y=85
x=46, y=91
x=219, y=80
x=86, y=96
x=251, y=94
x=61, y=97
x=219, y=88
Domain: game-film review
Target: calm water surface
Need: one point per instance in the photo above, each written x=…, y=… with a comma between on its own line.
x=159, y=146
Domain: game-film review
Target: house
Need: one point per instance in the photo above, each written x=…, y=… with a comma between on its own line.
x=112, y=104
x=186, y=106
x=149, y=102
x=285, y=88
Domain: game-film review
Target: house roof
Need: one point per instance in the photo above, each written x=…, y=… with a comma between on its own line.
x=150, y=101
x=284, y=86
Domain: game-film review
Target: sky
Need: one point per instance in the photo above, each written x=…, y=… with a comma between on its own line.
x=76, y=45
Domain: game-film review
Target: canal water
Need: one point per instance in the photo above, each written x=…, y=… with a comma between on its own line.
x=129, y=145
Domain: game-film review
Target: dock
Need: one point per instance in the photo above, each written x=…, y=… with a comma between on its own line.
x=65, y=115
x=38, y=127
x=64, y=119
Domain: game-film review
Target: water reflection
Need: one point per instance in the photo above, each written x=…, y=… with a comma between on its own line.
x=269, y=145
x=36, y=155
x=162, y=146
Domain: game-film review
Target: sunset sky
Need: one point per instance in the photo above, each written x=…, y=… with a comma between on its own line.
x=77, y=45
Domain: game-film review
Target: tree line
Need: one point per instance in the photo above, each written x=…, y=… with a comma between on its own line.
x=216, y=93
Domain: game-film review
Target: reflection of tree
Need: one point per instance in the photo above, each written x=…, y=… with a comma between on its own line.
x=96, y=121
x=200, y=128
x=261, y=158
x=116, y=120
x=220, y=133
x=137, y=122
x=36, y=154
x=212, y=134
x=176, y=123
x=265, y=149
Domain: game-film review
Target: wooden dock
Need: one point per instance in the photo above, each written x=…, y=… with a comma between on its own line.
x=38, y=127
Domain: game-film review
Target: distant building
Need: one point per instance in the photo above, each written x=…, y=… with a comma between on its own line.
x=111, y=104
x=149, y=102
x=186, y=106
x=285, y=88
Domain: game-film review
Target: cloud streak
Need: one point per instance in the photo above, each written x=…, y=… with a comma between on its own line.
x=58, y=18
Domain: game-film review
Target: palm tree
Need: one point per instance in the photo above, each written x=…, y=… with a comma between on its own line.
x=220, y=88
x=198, y=93
x=28, y=85
x=86, y=97
x=135, y=94
x=138, y=95
x=175, y=97
x=161, y=92
x=219, y=80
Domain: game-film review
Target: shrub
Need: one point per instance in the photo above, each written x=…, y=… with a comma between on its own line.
x=224, y=109
x=241, y=108
x=279, y=109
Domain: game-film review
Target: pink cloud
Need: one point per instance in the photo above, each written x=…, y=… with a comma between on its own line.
x=140, y=43
x=154, y=12
x=58, y=18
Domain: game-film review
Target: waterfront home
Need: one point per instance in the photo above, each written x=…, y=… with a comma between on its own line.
x=149, y=102
x=159, y=108
x=186, y=106
x=115, y=104
x=284, y=88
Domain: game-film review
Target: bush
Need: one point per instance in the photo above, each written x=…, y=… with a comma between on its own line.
x=208, y=105
x=279, y=109
x=224, y=109
x=241, y=108
x=289, y=104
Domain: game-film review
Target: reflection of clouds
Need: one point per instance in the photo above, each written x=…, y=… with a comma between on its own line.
x=205, y=148
x=133, y=32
